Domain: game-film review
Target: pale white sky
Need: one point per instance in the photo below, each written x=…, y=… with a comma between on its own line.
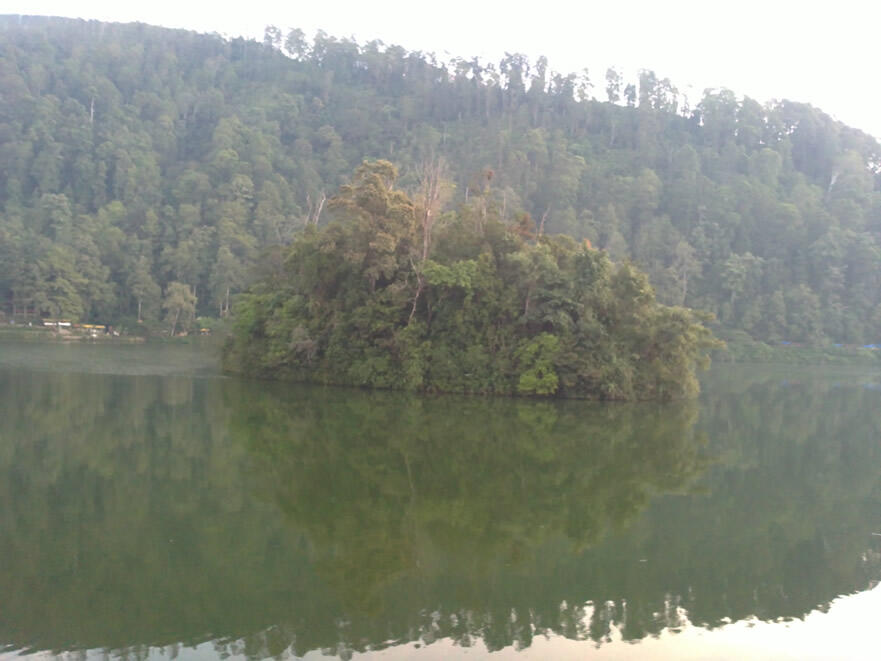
x=825, y=53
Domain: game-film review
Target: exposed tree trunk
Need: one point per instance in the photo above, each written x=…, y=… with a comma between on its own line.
x=683, y=278
x=315, y=209
x=174, y=323
x=139, y=310
x=420, y=285
x=544, y=217
x=832, y=181
x=320, y=207
x=430, y=193
x=430, y=190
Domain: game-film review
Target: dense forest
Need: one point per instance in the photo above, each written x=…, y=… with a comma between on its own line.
x=144, y=171
x=387, y=296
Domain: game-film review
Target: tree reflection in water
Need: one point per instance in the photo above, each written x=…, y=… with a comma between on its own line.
x=147, y=511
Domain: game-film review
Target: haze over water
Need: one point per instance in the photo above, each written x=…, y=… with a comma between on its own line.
x=149, y=508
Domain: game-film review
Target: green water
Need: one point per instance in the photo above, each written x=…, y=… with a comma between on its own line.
x=151, y=508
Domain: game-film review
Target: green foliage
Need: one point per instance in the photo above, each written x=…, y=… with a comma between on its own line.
x=740, y=348
x=180, y=305
x=135, y=156
x=491, y=312
x=535, y=359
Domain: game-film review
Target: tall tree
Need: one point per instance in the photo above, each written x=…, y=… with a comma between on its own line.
x=179, y=304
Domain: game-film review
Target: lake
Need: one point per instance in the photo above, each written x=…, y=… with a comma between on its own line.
x=151, y=508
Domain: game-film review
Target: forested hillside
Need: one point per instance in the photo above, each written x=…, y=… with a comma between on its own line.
x=145, y=170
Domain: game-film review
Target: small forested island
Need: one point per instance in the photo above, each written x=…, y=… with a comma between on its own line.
x=393, y=294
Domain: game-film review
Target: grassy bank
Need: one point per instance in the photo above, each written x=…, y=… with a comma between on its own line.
x=40, y=334
x=740, y=348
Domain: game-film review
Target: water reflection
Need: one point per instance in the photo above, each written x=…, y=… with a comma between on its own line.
x=448, y=517
x=143, y=511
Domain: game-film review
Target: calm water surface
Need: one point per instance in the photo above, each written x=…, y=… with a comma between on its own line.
x=150, y=508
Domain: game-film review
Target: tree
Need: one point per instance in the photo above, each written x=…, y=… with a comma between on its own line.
x=144, y=288
x=180, y=305
x=59, y=285
x=433, y=190
x=227, y=276
x=379, y=233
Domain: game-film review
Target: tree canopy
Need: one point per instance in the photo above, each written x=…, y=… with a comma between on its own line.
x=132, y=157
x=493, y=308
